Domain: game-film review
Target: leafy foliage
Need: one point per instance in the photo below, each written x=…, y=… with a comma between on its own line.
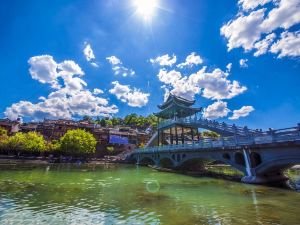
x=30, y=142
x=3, y=132
x=133, y=120
x=210, y=134
x=76, y=142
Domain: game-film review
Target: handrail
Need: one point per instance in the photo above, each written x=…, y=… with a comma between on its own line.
x=224, y=127
x=228, y=142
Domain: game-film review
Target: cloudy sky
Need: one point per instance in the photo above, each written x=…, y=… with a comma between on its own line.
x=69, y=58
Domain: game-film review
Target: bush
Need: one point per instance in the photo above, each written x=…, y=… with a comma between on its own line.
x=3, y=132
x=78, y=142
x=26, y=142
x=53, y=146
x=3, y=138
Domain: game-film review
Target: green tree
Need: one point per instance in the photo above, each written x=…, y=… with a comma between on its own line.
x=87, y=118
x=131, y=119
x=116, y=121
x=108, y=123
x=210, y=134
x=15, y=142
x=26, y=142
x=34, y=142
x=53, y=146
x=3, y=132
x=78, y=142
x=102, y=122
x=3, y=138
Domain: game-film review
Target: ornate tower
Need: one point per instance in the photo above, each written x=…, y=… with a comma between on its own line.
x=171, y=129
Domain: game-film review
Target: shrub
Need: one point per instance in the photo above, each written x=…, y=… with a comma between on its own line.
x=25, y=142
x=78, y=142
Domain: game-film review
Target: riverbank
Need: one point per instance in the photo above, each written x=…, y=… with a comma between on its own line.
x=7, y=160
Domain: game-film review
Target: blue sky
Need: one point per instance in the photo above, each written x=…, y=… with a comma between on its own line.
x=69, y=58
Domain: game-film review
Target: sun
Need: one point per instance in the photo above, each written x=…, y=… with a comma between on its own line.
x=145, y=8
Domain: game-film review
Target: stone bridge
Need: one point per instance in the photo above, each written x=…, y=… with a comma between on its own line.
x=261, y=156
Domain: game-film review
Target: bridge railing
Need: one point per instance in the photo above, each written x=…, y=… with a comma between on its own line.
x=234, y=141
x=210, y=124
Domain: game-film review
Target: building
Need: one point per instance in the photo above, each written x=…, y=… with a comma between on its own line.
x=120, y=138
x=12, y=126
x=176, y=108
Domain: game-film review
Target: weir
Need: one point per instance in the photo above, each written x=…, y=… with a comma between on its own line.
x=261, y=155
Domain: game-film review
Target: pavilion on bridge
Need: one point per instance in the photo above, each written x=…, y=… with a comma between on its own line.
x=174, y=109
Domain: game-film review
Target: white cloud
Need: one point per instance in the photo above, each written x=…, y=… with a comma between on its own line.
x=252, y=4
x=62, y=104
x=228, y=67
x=44, y=69
x=96, y=65
x=133, y=97
x=169, y=77
x=287, y=45
x=164, y=60
x=216, y=110
x=244, y=31
x=211, y=85
x=243, y=63
x=252, y=28
x=97, y=91
x=69, y=68
x=191, y=60
x=118, y=68
x=284, y=15
x=114, y=60
x=89, y=54
x=68, y=100
x=242, y=112
x=263, y=45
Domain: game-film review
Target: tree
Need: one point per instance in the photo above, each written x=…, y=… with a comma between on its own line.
x=3, y=137
x=116, y=121
x=78, y=142
x=26, y=142
x=15, y=142
x=53, y=146
x=3, y=132
x=210, y=134
x=108, y=123
x=102, y=122
x=34, y=142
x=131, y=119
x=87, y=118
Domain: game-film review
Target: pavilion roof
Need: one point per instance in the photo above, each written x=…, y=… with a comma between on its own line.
x=173, y=99
x=177, y=110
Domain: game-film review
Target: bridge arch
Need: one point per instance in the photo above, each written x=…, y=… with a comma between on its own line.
x=147, y=161
x=166, y=163
x=255, y=159
x=193, y=164
x=239, y=159
x=276, y=165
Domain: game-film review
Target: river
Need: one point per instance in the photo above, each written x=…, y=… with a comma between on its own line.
x=126, y=194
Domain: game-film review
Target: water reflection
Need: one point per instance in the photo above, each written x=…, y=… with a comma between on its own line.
x=120, y=194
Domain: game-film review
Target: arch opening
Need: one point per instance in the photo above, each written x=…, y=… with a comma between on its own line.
x=147, y=161
x=166, y=163
x=239, y=159
x=196, y=164
x=226, y=156
x=255, y=159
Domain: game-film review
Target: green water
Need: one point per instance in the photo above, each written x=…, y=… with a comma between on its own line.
x=122, y=194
